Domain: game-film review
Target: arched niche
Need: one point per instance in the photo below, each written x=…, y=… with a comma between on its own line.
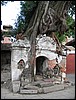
x=41, y=64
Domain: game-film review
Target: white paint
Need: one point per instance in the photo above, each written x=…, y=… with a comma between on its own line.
x=19, y=51
x=70, y=52
x=44, y=46
x=63, y=75
x=16, y=73
x=48, y=54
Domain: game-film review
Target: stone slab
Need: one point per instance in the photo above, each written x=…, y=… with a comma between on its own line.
x=31, y=91
x=46, y=84
x=36, y=82
x=53, y=88
x=30, y=87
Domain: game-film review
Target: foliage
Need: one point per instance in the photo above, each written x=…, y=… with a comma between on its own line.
x=8, y=33
x=70, y=32
x=45, y=19
x=71, y=27
x=72, y=9
x=19, y=25
x=27, y=10
x=61, y=37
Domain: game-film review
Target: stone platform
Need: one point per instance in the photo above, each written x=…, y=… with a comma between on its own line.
x=45, y=86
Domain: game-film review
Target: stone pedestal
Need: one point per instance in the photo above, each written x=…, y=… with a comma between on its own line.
x=16, y=86
x=19, y=59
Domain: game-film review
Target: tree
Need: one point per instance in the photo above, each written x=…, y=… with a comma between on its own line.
x=70, y=31
x=48, y=18
x=27, y=10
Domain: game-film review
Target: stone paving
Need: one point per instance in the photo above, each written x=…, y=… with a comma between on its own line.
x=68, y=93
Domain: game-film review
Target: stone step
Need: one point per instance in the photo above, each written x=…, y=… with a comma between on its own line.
x=46, y=84
x=48, y=89
x=42, y=90
x=29, y=91
x=52, y=88
x=38, y=78
x=30, y=87
x=43, y=87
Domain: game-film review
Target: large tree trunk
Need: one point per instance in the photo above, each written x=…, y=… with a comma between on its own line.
x=49, y=17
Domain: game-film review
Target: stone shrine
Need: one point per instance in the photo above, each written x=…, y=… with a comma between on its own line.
x=45, y=58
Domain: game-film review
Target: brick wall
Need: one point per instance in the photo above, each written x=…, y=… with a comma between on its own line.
x=52, y=63
x=70, y=64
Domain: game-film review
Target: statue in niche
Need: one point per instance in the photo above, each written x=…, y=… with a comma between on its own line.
x=21, y=64
x=56, y=70
x=24, y=77
x=52, y=72
x=48, y=73
x=25, y=72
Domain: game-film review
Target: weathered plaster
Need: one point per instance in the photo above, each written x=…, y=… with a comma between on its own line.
x=21, y=49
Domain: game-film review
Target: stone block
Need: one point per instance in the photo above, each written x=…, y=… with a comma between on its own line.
x=16, y=86
x=53, y=88
x=30, y=87
x=46, y=84
x=66, y=86
x=38, y=78
x=28, y=91
x=40, y=90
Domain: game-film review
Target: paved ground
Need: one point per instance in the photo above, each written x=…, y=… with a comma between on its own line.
x=68, y=93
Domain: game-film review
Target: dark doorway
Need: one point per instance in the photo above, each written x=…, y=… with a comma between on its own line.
x=40, y=64
x=5, y=57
